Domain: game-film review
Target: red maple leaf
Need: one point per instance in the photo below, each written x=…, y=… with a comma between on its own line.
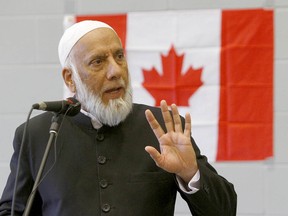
x=173, y=86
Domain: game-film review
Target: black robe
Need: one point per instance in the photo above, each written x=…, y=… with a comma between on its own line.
x=106, y=172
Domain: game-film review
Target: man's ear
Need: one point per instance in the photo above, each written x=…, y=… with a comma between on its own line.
x=67, y=77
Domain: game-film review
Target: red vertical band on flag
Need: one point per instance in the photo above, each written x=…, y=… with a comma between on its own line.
x=116, y=21
x=246, y=92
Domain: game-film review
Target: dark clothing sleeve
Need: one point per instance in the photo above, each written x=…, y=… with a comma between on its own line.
x=24, y=186
x=216, y=196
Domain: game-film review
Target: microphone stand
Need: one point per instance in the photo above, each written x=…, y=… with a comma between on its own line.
x=56, y=120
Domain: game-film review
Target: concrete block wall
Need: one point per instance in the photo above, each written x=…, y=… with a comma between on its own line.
x=30, y=72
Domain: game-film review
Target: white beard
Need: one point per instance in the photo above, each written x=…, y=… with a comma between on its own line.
x=111, y=114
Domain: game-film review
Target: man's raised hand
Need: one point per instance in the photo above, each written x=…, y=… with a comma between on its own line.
x=176, y=152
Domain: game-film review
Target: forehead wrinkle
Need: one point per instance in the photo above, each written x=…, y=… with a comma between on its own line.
x=92, y=44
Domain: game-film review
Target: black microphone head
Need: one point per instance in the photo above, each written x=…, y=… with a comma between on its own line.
x=73, y=107
x=54, y=106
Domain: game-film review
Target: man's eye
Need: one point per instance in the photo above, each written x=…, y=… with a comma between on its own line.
x=96, y=61
x=120, y=56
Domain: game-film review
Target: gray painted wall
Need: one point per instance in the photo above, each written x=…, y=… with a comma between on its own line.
x=30, y=72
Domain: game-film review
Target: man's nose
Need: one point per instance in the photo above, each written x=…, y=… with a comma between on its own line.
x=114, y=70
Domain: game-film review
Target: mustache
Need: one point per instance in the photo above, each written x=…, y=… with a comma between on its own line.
x=117, y=85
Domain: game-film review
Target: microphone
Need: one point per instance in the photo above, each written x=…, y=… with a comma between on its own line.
x=70, y=106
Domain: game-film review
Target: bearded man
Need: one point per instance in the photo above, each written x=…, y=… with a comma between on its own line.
x=115, y=157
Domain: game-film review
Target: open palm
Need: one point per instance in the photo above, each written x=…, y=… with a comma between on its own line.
x=176, y=152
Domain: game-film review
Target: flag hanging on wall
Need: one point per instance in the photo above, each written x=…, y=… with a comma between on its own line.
x=215, y=64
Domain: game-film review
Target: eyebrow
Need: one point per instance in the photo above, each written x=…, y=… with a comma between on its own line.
x=102, y=54
x=95, y=56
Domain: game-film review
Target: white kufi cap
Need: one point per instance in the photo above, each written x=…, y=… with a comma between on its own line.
x=73, y=34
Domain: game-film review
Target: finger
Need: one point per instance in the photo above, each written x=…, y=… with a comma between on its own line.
x=154, y=154
x=188, y=125
x=176, y=119
x=167, y=116
x=158, y=131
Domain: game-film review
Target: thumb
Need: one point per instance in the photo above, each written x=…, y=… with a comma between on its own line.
x=154, y=154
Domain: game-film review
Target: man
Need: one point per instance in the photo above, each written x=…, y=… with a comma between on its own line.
x=99, y=165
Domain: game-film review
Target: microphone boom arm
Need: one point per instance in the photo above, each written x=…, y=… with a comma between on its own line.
x=56, y=121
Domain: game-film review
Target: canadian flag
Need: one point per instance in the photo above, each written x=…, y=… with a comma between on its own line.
x=215, y=64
